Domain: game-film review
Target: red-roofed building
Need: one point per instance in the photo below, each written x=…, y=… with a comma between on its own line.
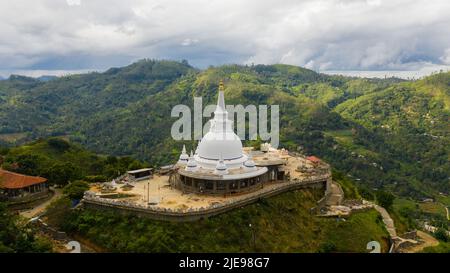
x=313, y=159
x=15, y=185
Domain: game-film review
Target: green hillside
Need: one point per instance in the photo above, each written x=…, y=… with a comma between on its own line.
x=384, y=133
x=283, y=223
x=278, y=224
x=61, y=162
x=414, y=119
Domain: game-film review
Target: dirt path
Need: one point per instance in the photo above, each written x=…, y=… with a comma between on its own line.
x=427, y=239
x=30, y=213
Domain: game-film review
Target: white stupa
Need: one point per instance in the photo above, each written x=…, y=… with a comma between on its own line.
x=221, y=168
x=191, y=165
x=249, y=165
x=219, y=164
x=184, y=157
x=220, y=140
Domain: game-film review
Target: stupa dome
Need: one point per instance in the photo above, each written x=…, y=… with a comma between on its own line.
x=184, y=157
x=214, y=144
x=220, y=141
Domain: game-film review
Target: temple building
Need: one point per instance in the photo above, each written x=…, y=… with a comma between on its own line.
x=220, y=165
x=141, y=174
x=217, y=175
x=15, y=186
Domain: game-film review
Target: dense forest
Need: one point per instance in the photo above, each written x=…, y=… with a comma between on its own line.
x=382, y=133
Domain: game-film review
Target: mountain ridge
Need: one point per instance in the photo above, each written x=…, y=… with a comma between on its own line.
x=124, y=111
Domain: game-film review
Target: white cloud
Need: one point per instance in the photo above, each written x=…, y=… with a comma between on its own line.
x=423, y=69
x=189, y=42
x=73, y=2
x=323, y=34
x=446, y=57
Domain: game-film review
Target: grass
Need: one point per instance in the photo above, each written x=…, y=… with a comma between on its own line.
x=345, y=138
x=428, y=207
x=13, y=137
x=444, y=200
x=403, y=223
x=433, y=207
x=441, y=248
x=357, y=231
x=415, y=210
x=404, y=203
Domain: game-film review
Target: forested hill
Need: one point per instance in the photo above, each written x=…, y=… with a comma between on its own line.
x=385, y=133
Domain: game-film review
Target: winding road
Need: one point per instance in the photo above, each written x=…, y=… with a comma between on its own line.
x=39, y=209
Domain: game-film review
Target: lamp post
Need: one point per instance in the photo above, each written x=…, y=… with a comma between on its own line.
x=148, y=192
x=143, y=196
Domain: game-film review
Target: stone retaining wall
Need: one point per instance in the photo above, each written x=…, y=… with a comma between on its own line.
x=185, y=216
x=31, y=200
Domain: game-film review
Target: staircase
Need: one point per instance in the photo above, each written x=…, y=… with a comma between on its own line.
x=334, y=195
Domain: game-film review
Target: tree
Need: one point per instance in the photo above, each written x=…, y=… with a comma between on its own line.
x=256, y=144
x=135, y=165
x=58, y=212
x=26, y=164
x=327, y=247
x=111, y=160
x=366, y=193
x=441, y=234
x=62, y=173
x=17, y=236
x=76, y=189
x=385, y=199
x=58, y=144
x=185, y=62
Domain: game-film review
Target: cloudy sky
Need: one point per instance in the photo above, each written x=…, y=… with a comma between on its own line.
x=57, y=36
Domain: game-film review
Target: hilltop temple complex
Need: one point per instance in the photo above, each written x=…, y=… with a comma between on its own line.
x=219, y=175
x=220, y=165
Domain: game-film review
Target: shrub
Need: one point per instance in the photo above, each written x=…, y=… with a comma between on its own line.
x=76, y=189
x=327, y=247
x=62, y=173
x=59, y=212
x=385, y=199
x=58, y=144
x=96, y=178
x=441, y=234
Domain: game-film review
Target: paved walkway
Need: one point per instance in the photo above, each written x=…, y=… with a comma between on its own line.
x=387, y=220
x=335, y=195
x=157, y=190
